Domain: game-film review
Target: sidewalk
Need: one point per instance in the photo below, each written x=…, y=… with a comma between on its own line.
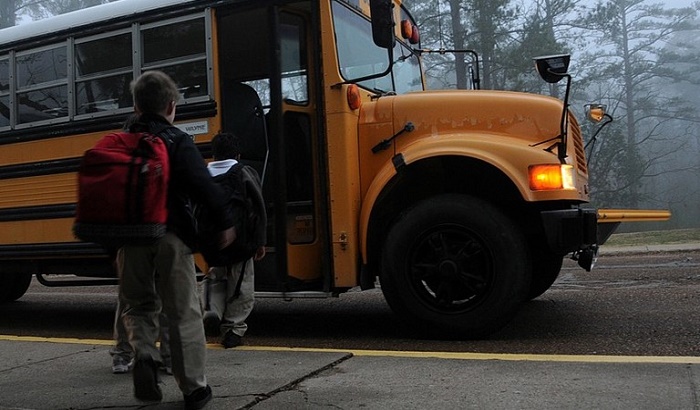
x=635, y=249
x=73, y=374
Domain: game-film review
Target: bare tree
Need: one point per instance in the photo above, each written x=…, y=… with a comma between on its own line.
x=9, y=10
x=38, y=9
x=631, y=60
x=546, y=30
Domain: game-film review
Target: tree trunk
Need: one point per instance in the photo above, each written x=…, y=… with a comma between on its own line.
x=7, y=13
x=458, y=39
x=630, y=107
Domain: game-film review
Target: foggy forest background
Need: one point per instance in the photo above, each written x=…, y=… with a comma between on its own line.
x=638, y=57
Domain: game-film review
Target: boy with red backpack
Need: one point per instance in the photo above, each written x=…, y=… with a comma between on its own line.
x=159, y=274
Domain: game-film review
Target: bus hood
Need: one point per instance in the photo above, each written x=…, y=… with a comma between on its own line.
x=507, y=129
x=531, y=117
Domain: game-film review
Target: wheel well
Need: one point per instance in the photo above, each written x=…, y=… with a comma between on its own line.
x=430, y=177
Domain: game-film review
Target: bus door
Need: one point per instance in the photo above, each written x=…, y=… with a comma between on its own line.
x=266, y=53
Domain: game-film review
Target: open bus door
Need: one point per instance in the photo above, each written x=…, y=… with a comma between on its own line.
x=268, y=51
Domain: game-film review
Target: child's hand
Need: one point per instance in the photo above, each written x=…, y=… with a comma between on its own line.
x=260, y=253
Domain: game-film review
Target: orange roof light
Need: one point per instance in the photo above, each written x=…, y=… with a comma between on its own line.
x=406, y=29
x=354, y=100
x=551, y=176
x=410, y=31
x=415, y=35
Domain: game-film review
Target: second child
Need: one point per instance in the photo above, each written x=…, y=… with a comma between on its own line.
x=229, y=290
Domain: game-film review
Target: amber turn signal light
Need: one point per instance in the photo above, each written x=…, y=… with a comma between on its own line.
x=551, y=176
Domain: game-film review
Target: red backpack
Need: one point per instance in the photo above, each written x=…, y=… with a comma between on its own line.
x=123, y=190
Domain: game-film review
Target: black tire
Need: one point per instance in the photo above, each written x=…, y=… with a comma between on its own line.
x=545, y=270
x=455, y=266
x=14, y=285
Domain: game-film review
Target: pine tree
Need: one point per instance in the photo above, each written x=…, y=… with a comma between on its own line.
x=631, y=60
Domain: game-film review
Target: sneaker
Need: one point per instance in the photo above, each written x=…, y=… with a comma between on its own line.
x=211, y=323
x=121, y=364
x=146, y=380
x=198, y=398
x=231, y=339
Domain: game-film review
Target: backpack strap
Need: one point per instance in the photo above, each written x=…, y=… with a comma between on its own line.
x=159, y=129
x=164, y=132
x=237, y=291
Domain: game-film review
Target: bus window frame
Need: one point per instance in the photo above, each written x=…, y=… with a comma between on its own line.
x=171, y=62
x=102, y=74
x=71, y=80
x=400, y=49
x=303, y=69
x=67, y=44
x=9, y=92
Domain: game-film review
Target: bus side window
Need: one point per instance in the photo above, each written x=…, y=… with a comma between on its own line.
x=179, y=49
x=4, y=92
x=297, y=144
x=103, y=71
x=42, y=84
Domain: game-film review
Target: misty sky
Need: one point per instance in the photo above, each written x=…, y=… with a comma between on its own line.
x=668, y=3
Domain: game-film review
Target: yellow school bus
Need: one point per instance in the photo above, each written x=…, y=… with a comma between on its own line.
x=459, y=204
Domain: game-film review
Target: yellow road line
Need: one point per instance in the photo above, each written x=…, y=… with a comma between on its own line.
x=406, y=354
x=489, y=356
x=65, y=340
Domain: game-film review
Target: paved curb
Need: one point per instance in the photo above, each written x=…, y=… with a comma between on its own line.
x=642, y=249
x=33, y=375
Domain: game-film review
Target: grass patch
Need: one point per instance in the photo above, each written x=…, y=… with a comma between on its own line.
x=655, y=237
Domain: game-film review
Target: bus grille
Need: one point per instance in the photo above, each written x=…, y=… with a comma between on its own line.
x=575, y=135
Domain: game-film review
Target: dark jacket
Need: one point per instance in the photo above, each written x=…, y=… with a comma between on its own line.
x=241, y=184
x=253, y=189
x=189, y=179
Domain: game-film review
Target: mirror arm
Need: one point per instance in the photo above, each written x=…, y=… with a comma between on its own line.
x=561, y=152
x=608, y=120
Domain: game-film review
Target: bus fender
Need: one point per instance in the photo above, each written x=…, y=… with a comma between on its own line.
x=493, y=152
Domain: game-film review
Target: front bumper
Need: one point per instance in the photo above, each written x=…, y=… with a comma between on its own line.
x=575, y=230
x=582, y=231
x=569, y=230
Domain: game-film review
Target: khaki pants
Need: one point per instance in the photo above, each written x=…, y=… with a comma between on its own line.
x=123, y=348
x=220, y=297
x=174, y=289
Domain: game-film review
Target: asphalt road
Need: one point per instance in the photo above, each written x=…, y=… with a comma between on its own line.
x=642, y=304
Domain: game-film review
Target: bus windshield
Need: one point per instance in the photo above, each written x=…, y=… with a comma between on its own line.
x=358, y=55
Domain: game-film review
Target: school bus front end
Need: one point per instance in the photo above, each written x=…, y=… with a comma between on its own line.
x=468, y=200
x=464, y=213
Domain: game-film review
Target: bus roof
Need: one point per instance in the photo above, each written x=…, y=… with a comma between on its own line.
x=105, y=12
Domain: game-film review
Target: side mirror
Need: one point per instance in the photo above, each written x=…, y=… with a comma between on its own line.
x=552, y=68
x=382, y=14
x=596, y=112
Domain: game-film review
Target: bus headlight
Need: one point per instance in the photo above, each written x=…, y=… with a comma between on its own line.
x=551, y=176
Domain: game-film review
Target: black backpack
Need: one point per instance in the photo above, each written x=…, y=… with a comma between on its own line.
x=245, y=221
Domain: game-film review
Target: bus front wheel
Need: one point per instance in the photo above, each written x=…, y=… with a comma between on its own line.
x=545, y=271
x=455, y=266
x=14, y=285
